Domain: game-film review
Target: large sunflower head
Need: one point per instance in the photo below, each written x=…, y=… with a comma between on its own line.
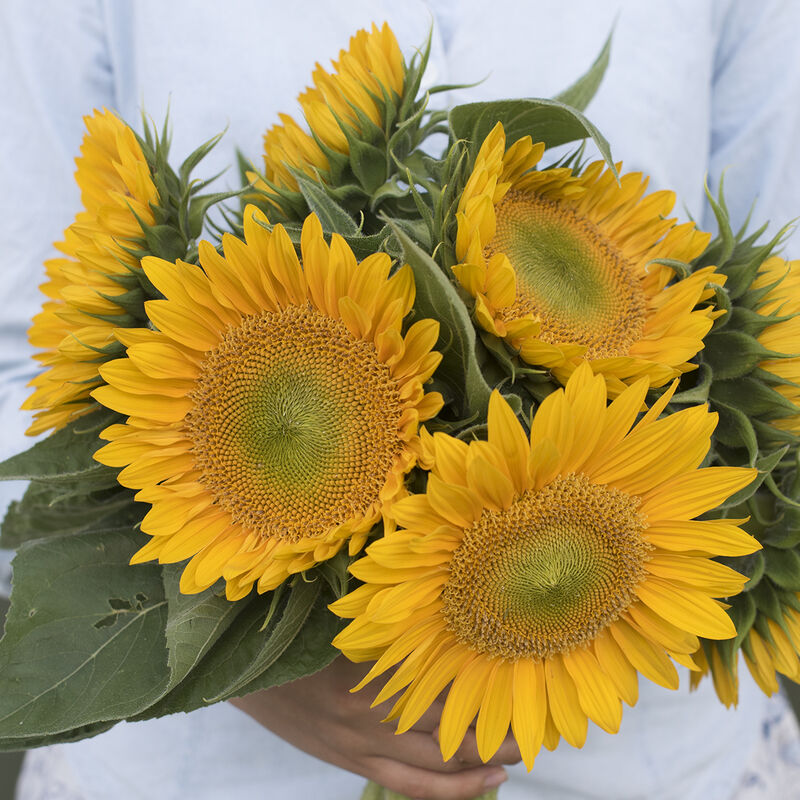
x=539, y=574
x=273, y=412
x=89, y=286
x=561, y=267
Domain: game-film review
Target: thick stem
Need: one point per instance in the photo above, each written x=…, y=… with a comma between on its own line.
x=373, y=791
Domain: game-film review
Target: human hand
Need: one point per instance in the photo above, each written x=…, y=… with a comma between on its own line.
x=319, y=715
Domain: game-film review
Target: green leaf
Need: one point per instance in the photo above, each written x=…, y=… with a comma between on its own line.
x=301, y=600
x=84, y=638
x=66, y=455
x=45, y=510
x=194, y=622
x=332, y=216
x=438, y=299
x=584, y=89
x=8, y=744
x=297, y=643
x=548, y=121
x=310, y=651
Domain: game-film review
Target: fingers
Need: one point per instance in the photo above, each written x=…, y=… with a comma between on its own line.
x=467, y=753
x=418, y=749
x=427, y=785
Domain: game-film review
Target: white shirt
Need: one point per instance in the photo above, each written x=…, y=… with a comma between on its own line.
x=693, y=87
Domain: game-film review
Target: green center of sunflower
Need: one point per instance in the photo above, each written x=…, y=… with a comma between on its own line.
x=295, y=423
x=569, y=275
x=547, y=574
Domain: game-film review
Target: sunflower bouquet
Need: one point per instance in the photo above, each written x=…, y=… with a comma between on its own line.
x=530, y=435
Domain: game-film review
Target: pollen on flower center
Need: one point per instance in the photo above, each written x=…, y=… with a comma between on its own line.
x=295, y=423
x=547, y=574
x=569, y=275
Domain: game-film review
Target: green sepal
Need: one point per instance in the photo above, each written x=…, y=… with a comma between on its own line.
x=390, y=190
x=734, y=430
x=767, y=601
x=733, y=353
x=132, y=302
x=165, y=241
x=773, y=436
x=584, y=89
x=752, y=322
x=196, y=156
x=547, y=121
x=782, y=567
x=785, y=534
x=332, y=217
x=743, y=613
x=721, y=247
x=437, y=298
x=753, y=398
x=742, y=270
x=764, y=464
x=751, y=565
x=84, y=638
x=681, y=269
x=198, y=208
x=697, y=392
x=506, y=357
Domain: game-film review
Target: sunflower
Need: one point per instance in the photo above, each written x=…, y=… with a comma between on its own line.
x=76, y=325
x=274, y=411
x=367, y=77
x=540, y=574
x=780, y=282
x=560, y=266
x=773, y=648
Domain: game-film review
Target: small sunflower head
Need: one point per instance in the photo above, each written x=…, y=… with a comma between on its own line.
x=565, y=267
x=754, y=356
x=134, y=205
x=770, y=646
x=92, y=288
x=353, y=115
x=273, y=412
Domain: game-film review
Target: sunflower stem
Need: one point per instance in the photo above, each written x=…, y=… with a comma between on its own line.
x=374, y=791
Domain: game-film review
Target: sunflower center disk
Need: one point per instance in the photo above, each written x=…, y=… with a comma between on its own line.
x=569, y=275
x=295, y=423
x=547, y=574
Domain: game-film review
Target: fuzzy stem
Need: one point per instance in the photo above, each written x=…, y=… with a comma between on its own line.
x=374, y=791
